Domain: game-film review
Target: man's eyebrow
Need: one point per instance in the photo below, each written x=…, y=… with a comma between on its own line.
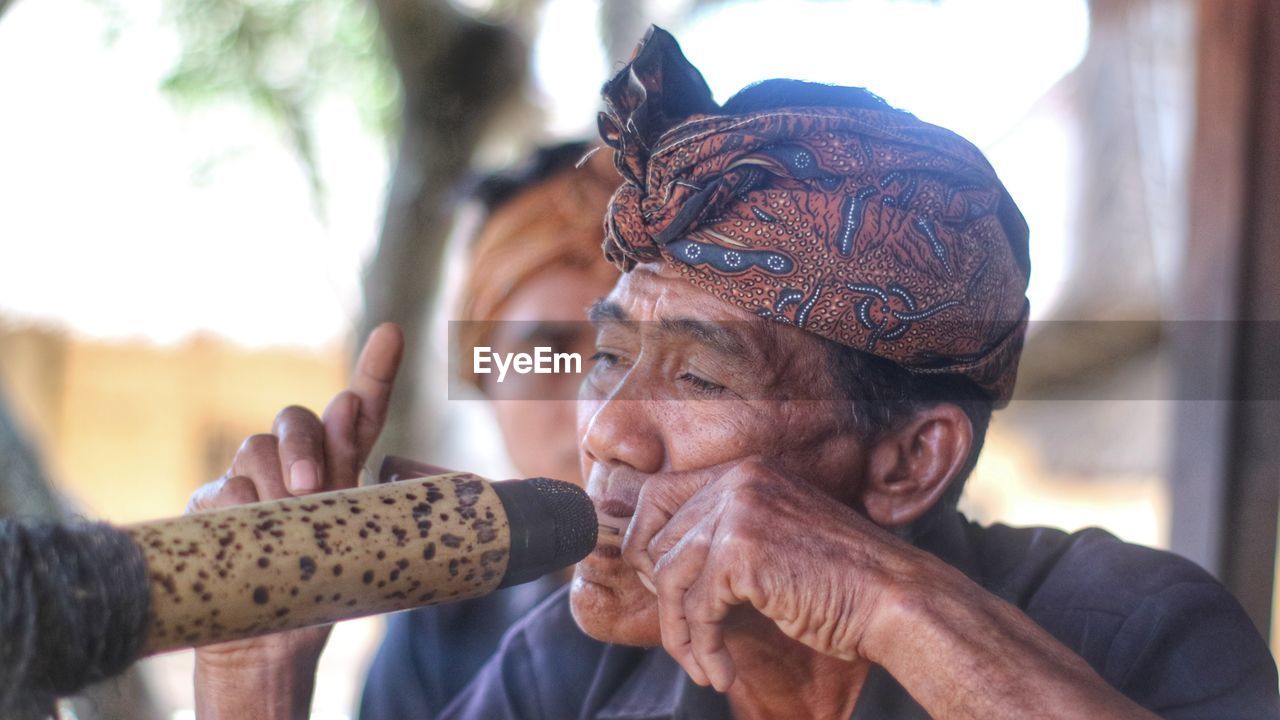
x=604, y=310
x=717, y=335
x=714, y=334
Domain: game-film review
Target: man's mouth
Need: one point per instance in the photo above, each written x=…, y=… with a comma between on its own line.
x=604, y=566
x=609, y=552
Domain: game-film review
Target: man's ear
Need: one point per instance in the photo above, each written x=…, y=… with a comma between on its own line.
x=910, y=468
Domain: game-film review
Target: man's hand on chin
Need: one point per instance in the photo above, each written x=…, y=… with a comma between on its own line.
x=748, y=533
x=751, y=534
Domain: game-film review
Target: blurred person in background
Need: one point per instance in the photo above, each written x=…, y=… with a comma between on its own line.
x=534, y=266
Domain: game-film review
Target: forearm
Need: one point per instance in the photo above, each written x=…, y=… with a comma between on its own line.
x=253, y=689
x=964, y=653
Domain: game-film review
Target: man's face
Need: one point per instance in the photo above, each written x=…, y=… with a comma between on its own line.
x=684, y=381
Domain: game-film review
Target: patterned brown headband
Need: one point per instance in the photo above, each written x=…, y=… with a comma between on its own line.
x=861, y=224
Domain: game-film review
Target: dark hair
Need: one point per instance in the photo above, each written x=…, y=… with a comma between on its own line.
x=777, y=93
x=885, y=395
x=494, y=190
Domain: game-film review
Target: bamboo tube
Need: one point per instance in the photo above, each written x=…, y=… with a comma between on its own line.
x=266, y=567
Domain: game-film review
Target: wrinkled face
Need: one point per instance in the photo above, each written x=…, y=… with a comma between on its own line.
x=547, y=310
x=682, y=381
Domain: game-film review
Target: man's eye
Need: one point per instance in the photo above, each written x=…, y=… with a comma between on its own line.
x=703, y=386
x=606, y=359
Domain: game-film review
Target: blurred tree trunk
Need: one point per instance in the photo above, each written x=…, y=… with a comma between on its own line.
x=23, y=487
x=457, y=74
x=1224, y=481
x=1129, y=96
x=1129, y=186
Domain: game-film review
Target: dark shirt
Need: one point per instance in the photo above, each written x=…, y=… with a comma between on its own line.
x=428, y=655
x=1152, y=624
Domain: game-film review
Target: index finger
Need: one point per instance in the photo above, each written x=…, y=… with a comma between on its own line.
x=660, y=498
x=374, y=377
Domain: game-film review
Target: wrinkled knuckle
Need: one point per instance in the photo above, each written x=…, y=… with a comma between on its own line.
x=295, y=414
x=748, y=585
x=662, y=582
x=259, y=444
x=668, y=588
x=675, y=649
x=746, y=492
x=653, y=549
x=200, y=499
x=237, y=490
x=738, y=534
x=728, y=543
x=699, y=612
x=759, y=488
x=736, y=479
x=756, y=474
x=342, y=397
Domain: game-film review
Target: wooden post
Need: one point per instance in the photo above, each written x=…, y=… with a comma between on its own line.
x=1225, y=476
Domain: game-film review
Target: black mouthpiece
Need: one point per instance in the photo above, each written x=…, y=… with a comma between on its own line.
x=553, y=525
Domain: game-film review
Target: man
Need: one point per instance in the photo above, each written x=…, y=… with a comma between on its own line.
x=823, y=301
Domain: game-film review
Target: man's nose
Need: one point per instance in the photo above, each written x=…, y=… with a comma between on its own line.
x=623, y=430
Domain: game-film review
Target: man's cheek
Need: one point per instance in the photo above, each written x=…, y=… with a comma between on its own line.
x=714, y=431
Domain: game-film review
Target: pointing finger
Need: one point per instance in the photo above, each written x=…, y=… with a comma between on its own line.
x=374, y=378
x=341, y=456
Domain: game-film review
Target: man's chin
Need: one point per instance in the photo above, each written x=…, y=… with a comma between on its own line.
x=621, y=616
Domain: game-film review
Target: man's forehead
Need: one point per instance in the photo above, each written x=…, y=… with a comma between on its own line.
x=654, y=294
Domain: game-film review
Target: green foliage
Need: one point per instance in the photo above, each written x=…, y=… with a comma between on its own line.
x=282, y=57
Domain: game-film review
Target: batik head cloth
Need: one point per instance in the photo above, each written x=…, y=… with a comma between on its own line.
x=863, y=225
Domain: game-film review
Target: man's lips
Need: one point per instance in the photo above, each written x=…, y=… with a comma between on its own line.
x=610, y=552
x=615, y=507
x=599, y=572
x=604, y=566
x=614, y=516
x=614, y=496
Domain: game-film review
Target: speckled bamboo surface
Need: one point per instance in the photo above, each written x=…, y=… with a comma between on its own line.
x=253, y=569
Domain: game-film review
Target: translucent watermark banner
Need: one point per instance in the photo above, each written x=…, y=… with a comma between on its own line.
x=687, y=359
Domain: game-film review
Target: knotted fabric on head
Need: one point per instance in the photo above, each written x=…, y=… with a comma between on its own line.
x=861, y=224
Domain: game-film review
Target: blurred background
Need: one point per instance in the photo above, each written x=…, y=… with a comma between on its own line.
x=205, y=204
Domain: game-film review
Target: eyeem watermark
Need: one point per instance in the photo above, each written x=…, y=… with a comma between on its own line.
x=1062, y=360
x=542, y=361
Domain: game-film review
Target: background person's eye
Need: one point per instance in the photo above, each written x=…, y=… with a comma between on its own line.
x=702, y=385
